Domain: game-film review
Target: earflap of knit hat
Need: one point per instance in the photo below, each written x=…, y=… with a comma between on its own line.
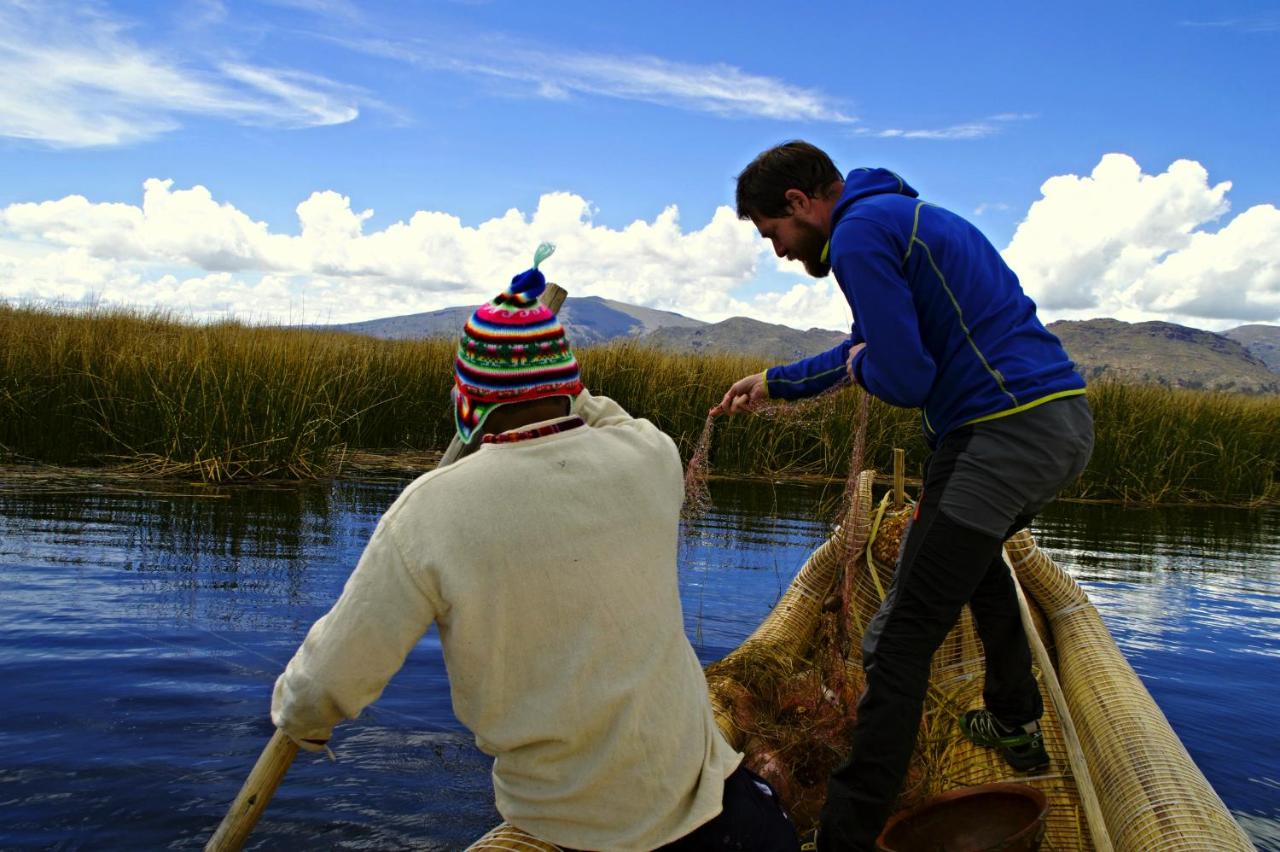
x=468, y=414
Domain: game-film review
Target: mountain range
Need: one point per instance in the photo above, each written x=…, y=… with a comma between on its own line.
x=1245, y=359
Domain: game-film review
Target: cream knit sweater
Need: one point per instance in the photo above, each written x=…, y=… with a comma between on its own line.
x=549, y=567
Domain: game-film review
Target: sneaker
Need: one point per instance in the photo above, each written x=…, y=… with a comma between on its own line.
x=1022, y=746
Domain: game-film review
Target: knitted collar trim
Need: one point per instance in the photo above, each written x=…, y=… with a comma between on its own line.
x=553, y=428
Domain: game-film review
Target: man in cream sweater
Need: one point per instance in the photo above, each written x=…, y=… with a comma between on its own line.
x=546, y=556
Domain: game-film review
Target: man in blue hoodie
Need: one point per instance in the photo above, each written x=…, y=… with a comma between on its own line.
x=940, y=324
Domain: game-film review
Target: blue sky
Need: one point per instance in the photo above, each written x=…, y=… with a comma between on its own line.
x=1121, y=155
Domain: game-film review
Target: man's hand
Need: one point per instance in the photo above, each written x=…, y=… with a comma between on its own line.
x=744, y=395
x=848, y=362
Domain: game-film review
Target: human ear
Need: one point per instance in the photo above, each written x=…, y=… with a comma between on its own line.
x=797, y=200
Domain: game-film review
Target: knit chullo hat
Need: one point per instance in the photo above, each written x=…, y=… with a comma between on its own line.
x=512, y=350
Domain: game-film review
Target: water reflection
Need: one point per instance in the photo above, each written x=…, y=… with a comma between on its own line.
x=139, y=637
x=1108, y=542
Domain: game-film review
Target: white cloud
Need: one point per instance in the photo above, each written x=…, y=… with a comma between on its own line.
x=1231, y=274
x=986, y=206
x=805, y=305
x=1260, y=23
x=971, y=130
x=78, y=80
x=1116, y=242
x=183, y=249
x=341, y=9
x=980, y=129
x=1121, y=243
x=312, y=100
x=719, y=88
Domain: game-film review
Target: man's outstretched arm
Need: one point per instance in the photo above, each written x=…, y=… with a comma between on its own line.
x=351, y=653
x=804, y=378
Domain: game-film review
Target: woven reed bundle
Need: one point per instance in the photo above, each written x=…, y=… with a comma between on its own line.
x=1153, y=795
x=509, y=837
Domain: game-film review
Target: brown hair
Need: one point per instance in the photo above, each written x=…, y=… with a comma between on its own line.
x=763, y=184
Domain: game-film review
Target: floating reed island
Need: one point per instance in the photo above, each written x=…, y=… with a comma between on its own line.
x=226, y=401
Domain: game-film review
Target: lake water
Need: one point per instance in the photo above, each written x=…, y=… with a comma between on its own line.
x=140, y=635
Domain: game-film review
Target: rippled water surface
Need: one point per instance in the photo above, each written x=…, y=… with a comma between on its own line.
x=140, y=635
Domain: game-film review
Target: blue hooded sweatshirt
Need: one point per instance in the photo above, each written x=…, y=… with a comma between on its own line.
x=947, y=327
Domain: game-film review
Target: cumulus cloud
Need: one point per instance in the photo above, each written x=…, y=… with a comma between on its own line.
x=1121, y=243
x=84, y=82
x=804, y=305
x=184, y=249
x=1115, y=242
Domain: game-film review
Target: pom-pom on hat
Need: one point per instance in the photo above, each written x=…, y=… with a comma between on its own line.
x=512, y=350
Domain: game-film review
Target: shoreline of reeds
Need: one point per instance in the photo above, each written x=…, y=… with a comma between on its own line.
x=227, y=402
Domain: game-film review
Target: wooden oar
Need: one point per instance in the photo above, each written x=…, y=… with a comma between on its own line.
x=1075, y=753
x=276, y=758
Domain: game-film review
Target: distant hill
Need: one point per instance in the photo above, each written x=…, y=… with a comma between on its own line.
x=1163, y=353
x=587, y=320
x=778, y=343
x=446, y=322
x=591, y=319
x=1262, y=341
x=1244, y=360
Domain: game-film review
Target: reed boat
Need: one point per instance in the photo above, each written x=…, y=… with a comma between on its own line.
x=1119, y=777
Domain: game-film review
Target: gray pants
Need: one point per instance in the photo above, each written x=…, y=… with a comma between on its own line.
x=984, y=483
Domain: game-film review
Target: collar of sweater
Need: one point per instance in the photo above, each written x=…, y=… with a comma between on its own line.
x=536, y=430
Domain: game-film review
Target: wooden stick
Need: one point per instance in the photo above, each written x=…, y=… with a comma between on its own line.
x=899, y=477
x=1075, y=753
x=252, y=799
x=553, y=297
x=276, y=758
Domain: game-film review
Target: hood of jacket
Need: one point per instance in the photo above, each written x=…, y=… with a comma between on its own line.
x=862, y=183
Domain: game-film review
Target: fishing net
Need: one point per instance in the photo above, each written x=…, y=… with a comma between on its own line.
x=786, y=696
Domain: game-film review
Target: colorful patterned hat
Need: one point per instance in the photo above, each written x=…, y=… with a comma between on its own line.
x=512, y=350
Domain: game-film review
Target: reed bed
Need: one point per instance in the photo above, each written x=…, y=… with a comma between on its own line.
x=1156, y=445
x=214, y=402
x=228, y=401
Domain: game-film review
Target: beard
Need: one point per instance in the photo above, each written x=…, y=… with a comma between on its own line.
x=808, y=250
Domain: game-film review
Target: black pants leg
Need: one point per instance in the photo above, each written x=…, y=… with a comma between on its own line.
x=752, y=821
x=943, y=566
x=1011, y=691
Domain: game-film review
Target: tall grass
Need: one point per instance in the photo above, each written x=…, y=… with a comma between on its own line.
x=216, y=401
x=1155, y=445
x=228, y=401
x=814, y=438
